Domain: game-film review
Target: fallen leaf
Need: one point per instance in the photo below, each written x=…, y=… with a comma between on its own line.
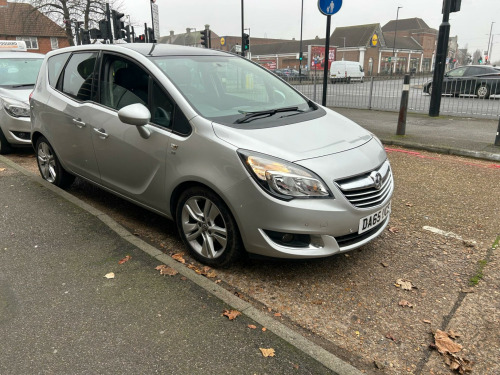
x=2, y=169
x=444, y=344
x=405, y=303
x=251, y=326
x=453, y=334
x=404, y=284
x=393, y=230
x=218, y=281
x=427, y=321
x=409, y=204
x=126, y=259
x=391, y=337
x=165, y=270
x=110, y=275
x=384, y=264
x=277, y=314
x=178, y=257
x=231, y=314
x=211, y=274
x=264, y=329
x=267, y=352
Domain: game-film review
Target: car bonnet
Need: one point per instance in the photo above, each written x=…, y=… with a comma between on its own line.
x=322, y=136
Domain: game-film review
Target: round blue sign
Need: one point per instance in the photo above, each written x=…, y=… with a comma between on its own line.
x=329, y=7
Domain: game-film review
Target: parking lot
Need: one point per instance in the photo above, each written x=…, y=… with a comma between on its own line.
x=444, y=224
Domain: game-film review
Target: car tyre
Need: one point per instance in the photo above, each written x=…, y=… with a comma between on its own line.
x=49, y=166
x=483, y=92
x=207, y=227
x=5, y=147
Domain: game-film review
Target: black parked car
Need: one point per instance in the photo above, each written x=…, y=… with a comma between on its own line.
x=479, y=80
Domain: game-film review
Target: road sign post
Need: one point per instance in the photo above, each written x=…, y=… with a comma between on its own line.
x=327, y=7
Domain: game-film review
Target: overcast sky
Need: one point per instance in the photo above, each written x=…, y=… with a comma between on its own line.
x=281, y=18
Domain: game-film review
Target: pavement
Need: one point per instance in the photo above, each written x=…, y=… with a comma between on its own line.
x=59, y=314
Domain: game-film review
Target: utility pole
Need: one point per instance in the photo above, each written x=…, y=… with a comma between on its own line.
x=490, y=41
x=442, y=49
x=300, y=45
x=242, y=31
x=394, y=43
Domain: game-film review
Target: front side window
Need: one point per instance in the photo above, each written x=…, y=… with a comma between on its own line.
x=78, y=75
x=122, y=83
x=55, y=65
x=227, y=88
x=19, y=72
x=31, y=41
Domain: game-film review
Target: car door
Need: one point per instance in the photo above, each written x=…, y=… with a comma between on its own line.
x=453, y=81
x=131, y=163
x=67, y=115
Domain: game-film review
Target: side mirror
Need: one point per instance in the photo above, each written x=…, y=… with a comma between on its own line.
x=136, y=114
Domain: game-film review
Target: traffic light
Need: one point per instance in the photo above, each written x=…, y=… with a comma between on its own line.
x=127, y=34
x=455, y=5
x=118, y=24
x=140, y=39
x=300, y=56
x=85, y=36
x=205, y=38
x=104, y=29
x=151, y=37
x=480, y=60
x=246, y=42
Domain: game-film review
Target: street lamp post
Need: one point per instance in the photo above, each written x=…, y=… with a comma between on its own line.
x=343, y=51
x=394, y=43
x=489, y=41
x=300, y=45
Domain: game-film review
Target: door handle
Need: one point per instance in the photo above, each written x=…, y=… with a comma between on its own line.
x=78, y=122
x=101, y=133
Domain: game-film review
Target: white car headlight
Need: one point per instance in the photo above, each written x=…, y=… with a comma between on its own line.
x=283, y=179
x=15, y=108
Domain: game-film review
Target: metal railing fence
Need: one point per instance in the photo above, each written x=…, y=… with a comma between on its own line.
x=474, y=97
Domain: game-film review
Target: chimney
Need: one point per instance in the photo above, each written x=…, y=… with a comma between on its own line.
x=188, y=30
x=171, y=31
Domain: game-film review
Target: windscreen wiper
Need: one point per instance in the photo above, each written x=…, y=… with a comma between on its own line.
x=23, y=85
x=252, y=115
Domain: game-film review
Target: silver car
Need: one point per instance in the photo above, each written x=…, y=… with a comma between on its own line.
x=235, y=156
x=18, y=71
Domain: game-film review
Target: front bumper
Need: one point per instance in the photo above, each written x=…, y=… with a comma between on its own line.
x=17, y=130
x=323, y=227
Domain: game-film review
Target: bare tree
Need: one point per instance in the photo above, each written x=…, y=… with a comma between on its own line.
x=64, y=11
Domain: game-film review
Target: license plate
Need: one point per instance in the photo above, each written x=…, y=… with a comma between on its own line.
x=371, y=221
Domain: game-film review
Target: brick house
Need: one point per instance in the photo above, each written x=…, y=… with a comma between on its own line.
x=418, y=30
x=21, y=21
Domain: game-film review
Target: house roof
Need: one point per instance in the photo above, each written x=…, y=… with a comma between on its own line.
x=22, y=19
x=407, y=24
x=402, y=42
x=280, y=48
x=355, y=36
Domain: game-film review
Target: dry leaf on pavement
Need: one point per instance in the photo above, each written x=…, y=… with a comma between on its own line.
x=231, y=314
x=393, y=230
x=404, y=284
x=126, y=259
x=448, y=348
x=179, y=257
x=405, y=303
x=267, y=352
x=165, y=270
x=2, y=169
x=251, y=326
x=110, y=275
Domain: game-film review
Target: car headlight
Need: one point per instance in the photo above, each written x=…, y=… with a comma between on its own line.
x=15, y=108
x=283, y=179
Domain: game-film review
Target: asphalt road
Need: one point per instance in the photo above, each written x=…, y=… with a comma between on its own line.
x=386, y=95
x=443, y=225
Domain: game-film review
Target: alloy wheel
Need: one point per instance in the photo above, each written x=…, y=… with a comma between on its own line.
x=46, y=162
x=204, y=227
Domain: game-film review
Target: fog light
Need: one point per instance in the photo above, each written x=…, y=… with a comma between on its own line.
x=287, y=237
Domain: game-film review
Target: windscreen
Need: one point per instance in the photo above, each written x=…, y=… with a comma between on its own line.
x=225, y=88
x=19, y=72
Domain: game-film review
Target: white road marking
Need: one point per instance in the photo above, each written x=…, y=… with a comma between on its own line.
x=447, y=234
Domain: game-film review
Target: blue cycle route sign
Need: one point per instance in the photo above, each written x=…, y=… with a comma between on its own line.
x=329, y=7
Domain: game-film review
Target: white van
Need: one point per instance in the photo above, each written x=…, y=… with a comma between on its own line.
x=346, y=71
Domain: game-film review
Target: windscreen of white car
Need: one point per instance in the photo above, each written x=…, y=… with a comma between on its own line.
x=16, y=72
x=228, y=89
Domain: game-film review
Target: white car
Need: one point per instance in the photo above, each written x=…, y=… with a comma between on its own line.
x=18, y=72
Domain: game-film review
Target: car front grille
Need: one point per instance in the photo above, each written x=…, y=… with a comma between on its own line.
x=370, y=189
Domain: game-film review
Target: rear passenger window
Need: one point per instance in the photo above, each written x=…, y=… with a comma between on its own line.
x=55, y=65
x=78, y=75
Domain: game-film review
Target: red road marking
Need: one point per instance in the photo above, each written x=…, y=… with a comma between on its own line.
x=419, y=155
